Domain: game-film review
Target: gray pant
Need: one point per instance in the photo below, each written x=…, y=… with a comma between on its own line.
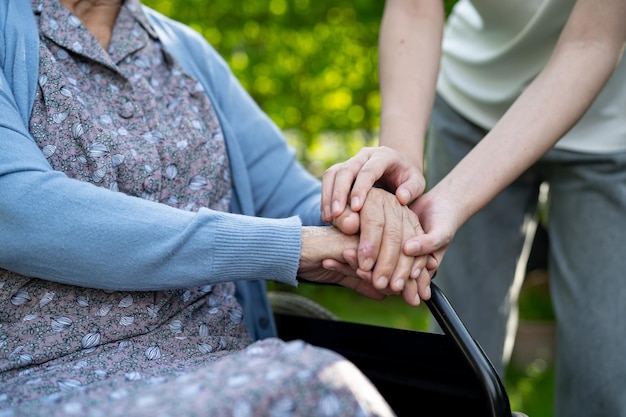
x=484, y=267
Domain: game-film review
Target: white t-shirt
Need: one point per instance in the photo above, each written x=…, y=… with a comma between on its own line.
x=493, y=49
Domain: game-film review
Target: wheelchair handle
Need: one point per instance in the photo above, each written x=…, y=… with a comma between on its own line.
x=449, y=321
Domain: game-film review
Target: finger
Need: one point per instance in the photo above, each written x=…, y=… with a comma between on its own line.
x=400, y=224
x=402, y=272
x=340, y=267
x=432, y=264
x=328, y=182
x=350, y=257
x=390, y=251
x=423, y=285
x=410, y=293
x=409, y=190
x=364, y=275
x=341, y=188
x=371, y=171
x=363, y=288
x=345, y=176
x=425, y=244
x=407, y=270
x=372, y=229
x=419, y=263
x=368, y=277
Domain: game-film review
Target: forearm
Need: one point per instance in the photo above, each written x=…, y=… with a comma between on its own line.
x=409, y=54
x=578, y=69
x=62, y=230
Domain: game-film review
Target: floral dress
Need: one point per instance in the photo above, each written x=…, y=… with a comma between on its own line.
x=129, y=119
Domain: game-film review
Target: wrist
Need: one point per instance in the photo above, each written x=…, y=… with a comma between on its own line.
x=324, y=242
x=451, y=201
x=407, y=138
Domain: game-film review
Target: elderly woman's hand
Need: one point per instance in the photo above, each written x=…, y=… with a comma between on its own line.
x=385, y=225
x=323, y=259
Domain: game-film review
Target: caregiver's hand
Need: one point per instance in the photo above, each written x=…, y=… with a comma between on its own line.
x=441, y=219
x=351, y=180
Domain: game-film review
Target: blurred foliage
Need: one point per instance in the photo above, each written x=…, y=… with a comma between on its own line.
x=531, y=390
x=311, y=65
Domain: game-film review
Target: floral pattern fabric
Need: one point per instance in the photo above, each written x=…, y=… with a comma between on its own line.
x=129, y=119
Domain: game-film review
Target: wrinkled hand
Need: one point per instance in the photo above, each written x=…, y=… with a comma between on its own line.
x=324, y=244
x=385, y=225
x=353, y=179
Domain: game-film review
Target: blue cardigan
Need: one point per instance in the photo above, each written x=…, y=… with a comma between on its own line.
x=63, y=230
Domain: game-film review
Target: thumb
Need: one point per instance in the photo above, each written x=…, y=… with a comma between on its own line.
x=409, y=191
x=424, y=244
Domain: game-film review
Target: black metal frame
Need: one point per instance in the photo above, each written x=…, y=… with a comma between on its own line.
x=495, y=393
x=418, y=373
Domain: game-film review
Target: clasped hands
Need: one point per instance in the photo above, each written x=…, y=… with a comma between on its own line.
x=363, y=250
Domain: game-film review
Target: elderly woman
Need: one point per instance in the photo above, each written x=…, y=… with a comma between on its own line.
x=145, y=198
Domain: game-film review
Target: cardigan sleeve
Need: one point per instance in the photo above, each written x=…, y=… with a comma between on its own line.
x=56, y=228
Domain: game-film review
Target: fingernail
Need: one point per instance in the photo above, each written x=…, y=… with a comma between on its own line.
x=416, y=273
x=417, y=299
x=428, y=293
x=399, y=285
x=382, y=282
x=405, y=195
x=355, y=201
x=412, y=247
x=327, y=213
x=336, y=207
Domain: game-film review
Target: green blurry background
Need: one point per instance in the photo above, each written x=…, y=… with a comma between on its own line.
x=312, y=66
